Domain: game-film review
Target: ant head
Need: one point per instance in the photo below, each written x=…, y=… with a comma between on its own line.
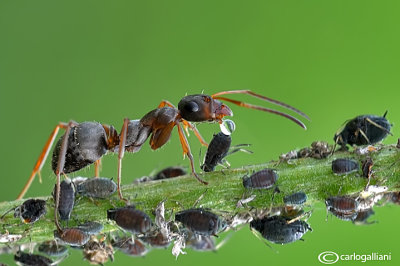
x=201, y=107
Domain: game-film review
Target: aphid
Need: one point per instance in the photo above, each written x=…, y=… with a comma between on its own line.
x=130, y=219
x=23, y=258
x=345, y=208
x=67, y=199
x=91, y=228
x=98, y=252
x=29, y=211
x=394, y=197
x=170, y=172
x=297, y=198
x=100, y=188
x=277, y=230
x=131, y=247
x=72, y=236
x=179, y=246
x=367, y=167
x=9, y=238
x=344, y=166
x=263, y=179
x=342, y=203
x=87, y=142
x=53, y=249
x=363, y=130
x=320, y=149
x=218, y=149
x=201, y=222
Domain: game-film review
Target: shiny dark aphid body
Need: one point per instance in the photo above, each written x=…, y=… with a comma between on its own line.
x=156, y=240
x=31, y=210
x=72, y=236
x=277, y=230
x=67, y=199
x=130, y=219
x=27, y=259
x=297, y=198
x=87, y=143
x=170, y=172
x=216, y=152
x=263, y=179
x=100, y=187
x=363, y=130
x=201, y=222
x=344, y=166
x=52, y=248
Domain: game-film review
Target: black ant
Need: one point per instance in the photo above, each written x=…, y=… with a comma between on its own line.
x=85, y=143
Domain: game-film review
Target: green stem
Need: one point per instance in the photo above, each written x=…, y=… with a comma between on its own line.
x=312, y=176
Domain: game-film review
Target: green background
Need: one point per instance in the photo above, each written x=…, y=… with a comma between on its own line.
x=107, y=60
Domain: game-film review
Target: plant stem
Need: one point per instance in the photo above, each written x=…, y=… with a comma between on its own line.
x=312, y=176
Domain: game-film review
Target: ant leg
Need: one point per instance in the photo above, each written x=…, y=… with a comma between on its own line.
x=59, y=169
x=42, y=158
x=251, y=106
x=215, y=96
x=186, y=150
x=121, y=154
x=187, y=124
x=97, y=165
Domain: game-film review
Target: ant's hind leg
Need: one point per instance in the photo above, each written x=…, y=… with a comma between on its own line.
x=42, y=158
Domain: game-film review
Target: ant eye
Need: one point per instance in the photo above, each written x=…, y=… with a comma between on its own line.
x=191, y=107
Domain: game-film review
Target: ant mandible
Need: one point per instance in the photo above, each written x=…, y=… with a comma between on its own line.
x=87, y=142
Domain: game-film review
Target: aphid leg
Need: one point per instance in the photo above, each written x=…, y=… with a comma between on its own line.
x=262, y=98
x=200, y=198
x=42, y=158
x=364, y=135
x=97, y=165
x=262, y=240
x=59, y=169
x=308, y=214
x=186, y=151
x=379, y=126
x=121, y=155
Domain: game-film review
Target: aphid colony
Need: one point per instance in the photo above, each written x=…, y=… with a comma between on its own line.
x=85, y=143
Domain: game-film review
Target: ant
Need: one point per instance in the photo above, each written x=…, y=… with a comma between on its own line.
x=85, y=143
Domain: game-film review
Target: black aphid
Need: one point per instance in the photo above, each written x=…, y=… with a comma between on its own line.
x=277, y=230
x=130, y=219
x=67, y=199
x=201, y=222
x=52, y=248
x=344, y=166
x=170, y=172
x=157, y=240
x=27, y=259
x=297, y=198
x=100, y=187
x=31, y=210
x=263, y=179
x=363, y=130
x=216, y=151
